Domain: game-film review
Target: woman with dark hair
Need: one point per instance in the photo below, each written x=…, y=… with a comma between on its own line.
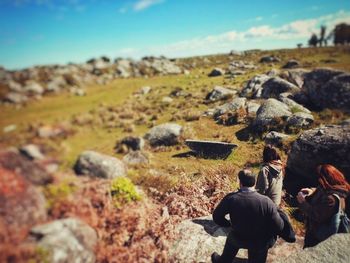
x=270, y=178
x=320, y=204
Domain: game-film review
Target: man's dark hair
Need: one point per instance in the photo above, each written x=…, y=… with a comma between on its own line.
x=270, y=154
x=247, y=178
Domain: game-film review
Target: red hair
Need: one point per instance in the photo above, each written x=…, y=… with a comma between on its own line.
x=330, y=178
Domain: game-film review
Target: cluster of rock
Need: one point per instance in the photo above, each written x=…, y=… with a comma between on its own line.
x=21, y=85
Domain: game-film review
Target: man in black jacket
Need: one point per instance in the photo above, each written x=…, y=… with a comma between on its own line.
x=254, y=219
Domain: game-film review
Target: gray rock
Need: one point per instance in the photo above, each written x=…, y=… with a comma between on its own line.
x=164, y=134
x=328, y=88
x=67, y=240
x=291, y=64
x=198, y=239
x=275, y=86
x=232, y=106
x=9, y=128
x=269, y=59
x=252, y=108
x=294, y=106
x=56, y=84
x=145, y=90
x=345, y=122
x=99, y=165
x=296, y=76
x=329, y=144
x=333, y=249
x=32, y=151
x=16, y=98
x=14, y=86
x=300, y=120
x=33, y=88
x=220, y=93
x=276, y=138
x=135, y=157
x=216, y=72
x=167, y=100
x=269, y=112
x=131, y=143
x=253, y=88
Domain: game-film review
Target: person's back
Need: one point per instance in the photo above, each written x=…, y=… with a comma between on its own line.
x=254, y=219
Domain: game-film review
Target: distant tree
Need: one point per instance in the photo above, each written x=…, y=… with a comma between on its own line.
x=322, y=39
x=299, y=45
x=313, y=41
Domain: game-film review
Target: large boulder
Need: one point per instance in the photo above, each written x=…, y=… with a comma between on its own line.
x=253, y=88
x=294, y=106
x=16, y=98
x=291, y=64
x=300, y=120
x=296, y=76
x=164, y=134
x=275, y=86
x=333, y=249
x=56, y=84
x=269, y=59
x=66, y=240
x=276, y=138
x=329, y=144
x=328, y=88
x=271, y=112
x=220, y=93
x=34, y=88
x=198, y=238
x=99, y=165
x=232, y=106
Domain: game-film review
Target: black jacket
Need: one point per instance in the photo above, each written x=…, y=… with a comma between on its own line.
x=254, y=218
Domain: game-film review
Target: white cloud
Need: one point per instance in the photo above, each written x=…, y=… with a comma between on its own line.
x=254, y=37
x=144, y=4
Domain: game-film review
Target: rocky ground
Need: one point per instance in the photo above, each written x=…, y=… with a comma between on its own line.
x=94, y=161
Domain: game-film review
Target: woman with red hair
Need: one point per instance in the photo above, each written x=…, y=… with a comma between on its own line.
x=322, y=203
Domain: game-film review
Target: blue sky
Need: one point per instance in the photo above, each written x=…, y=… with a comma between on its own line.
x=36, y=32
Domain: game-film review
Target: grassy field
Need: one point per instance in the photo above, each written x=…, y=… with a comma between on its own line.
x=101, y=135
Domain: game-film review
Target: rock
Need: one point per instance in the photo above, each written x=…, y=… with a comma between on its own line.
x=220, y=93
x=293, y=106
x=323, y=95
x=333, y=249
x=269, y=59
x=270, y=112
x=135, y=157
x=49, y=131
x=275, y=86
x=56, y=84
x=273, y=73
x=130, y=143
x=211, y=149
x=32, y=152
x=67, y=240
x=216, y=72
x=276, y=138
x=296, y=76
x=9, y=128
x=77, y=91
x=31, y=171
x=253, y=88
x=145, y=90
x=252, y=108
x=198, y=238
x=167, y=100
x=164, y=134
x=232, y=106
x=345, y=122
x=300, y=120
x=291, y=64
x=236, y=53
x=329, y=144
x=15, y=98
x=22, y=205
x=14, y=86
x=33, y=88
x=99, y=165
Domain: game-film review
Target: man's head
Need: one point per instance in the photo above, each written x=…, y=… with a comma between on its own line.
x=246, y=178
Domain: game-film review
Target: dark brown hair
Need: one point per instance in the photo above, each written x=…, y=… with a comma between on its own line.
x=270, y=154
x=246, y=178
